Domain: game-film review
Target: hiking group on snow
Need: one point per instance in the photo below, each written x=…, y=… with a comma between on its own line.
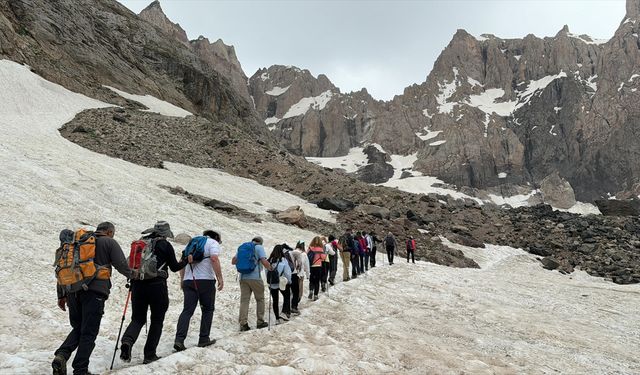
x=85, y=259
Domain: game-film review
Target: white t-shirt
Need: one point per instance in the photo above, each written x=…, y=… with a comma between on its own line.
x=204, y=270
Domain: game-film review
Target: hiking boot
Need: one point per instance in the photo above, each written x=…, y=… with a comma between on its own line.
x=295, y=312
x=244, y=327
x=285, y=317
x=59, y=365
x=323, y=287
x=311, y=295
x=125, y=351
x=179, y=346
x=280, y=321
x=331, y=282
x=204, y=344
x=262, y=325
x=148, y=360
x=315, y=298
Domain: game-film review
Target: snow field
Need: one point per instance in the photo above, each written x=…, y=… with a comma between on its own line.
x=48, y=184
x=508, y=317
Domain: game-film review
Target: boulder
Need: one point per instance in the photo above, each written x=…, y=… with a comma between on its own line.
x=376, y=211
x=182, y=239
x=557, y=191
x=374, y=155
x=336, y=204
x=549, y=263
x=293, y=216
x=376, y=173
x=220, y=206
x=613, y=207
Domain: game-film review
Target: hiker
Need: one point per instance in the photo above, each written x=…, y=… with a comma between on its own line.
x=199, y=286
x=326, y=264
x=390, y=246
x=374, y=240
x=346, y=244
x=316, y=257
x=86, y=299
x=300, y=271
x=355, y=257
x=411, y=249
x=364, y=241
x=280, y=268
x=151, y=293
x=294, y=285
x=251, y=282
x=333, y=259
x=362, y=252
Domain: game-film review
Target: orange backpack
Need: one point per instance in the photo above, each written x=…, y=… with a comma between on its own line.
x=75, y=267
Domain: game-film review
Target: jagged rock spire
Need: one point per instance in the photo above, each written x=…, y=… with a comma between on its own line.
x=633, y=8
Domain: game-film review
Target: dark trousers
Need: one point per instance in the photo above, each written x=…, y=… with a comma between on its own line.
x=85, y=313
x=206, y=295
x=314, y=280
x=412, y=252
x=372, y=257
x=390, y=251
x=366, y=261
x=333, y=267
x=325, y=272
x=355, y=260
x=275, y=296
x=295, y=291
x=144, y=296
x=361, y=263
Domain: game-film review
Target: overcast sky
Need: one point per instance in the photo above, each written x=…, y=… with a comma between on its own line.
x=381, y=45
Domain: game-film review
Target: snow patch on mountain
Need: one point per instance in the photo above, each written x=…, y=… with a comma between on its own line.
x=153, y=104
x=351, y=162
x=487, y=102
x=587, y=39
x=277, y=91
x=316, y=102
x=447, y=89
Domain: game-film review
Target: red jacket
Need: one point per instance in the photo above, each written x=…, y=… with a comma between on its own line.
x=411, y=244
x=363, y=244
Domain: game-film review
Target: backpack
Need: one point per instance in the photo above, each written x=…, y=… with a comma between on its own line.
x=142, y=257
x=273, y=277
x=287, y=256
x=195, y=248
x=315, y=255
x=247, y=260
x=75, y=268
x=389, y=242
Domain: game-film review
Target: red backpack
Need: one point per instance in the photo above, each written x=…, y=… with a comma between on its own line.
x=143, y=258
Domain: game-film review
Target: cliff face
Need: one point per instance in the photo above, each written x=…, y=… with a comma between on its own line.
x=492, y=112
x=309, y=115
x=86, y=44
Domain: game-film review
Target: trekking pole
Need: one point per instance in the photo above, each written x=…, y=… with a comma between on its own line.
x=124, y=313
x=269, y=308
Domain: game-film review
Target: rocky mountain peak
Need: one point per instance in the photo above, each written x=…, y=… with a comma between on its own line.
x=154, y=14
x=563, y=32
x=633, y=9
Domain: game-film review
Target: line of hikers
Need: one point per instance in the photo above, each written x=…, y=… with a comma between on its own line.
x=85, y=259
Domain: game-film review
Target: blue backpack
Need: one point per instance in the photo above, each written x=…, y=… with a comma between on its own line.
x=246, y=258
x=195, y=248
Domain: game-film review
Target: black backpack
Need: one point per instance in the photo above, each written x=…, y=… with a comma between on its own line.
x=389, y=242
x=273, y=277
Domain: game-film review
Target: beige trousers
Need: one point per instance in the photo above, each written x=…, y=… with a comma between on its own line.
x=246, y=288
x=346, y=262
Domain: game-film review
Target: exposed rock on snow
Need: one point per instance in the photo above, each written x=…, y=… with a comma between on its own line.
x=557, y=191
